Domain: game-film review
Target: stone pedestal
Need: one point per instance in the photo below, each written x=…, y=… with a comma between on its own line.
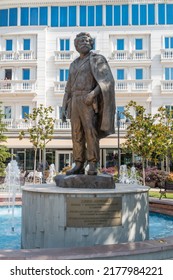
x=101, y=181
x=54, y=217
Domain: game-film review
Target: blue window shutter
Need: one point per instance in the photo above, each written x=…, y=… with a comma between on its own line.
x=13, y=17
x=143, y=14
x=109, y=15
x=9, y=45
x=120, y=74
x=25, y=110
x=43, y=15
x=67, y=44
x=135, y=15
x=26, y=44
x=151, y=14
x=82, y=15
x=61, y=75
x=99, y=15
x=62, y=48
x=26, y=74
x=138, y=44
x=72, y=16
x=91, y=16
x=169, y=12
x=171, y=73
x=66, y=74
x=139, y=74
x=54, y=16
x=166, y=42
x=24, y=17
x=33, y=16
x=125, y=14
x=63, y=16
x=4, y=17
x=161, y=13
x=167, y=74
x=120, y=44
x=171, y=42
x=116, y=15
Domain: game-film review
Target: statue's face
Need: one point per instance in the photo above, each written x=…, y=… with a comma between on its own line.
x=83, y=45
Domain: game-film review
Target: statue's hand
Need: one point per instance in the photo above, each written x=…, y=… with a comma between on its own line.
x=88, y=100
x=63, y=115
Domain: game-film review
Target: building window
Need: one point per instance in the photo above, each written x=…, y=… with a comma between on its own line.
x=33, y=16
x=169, y=110
x=24, y=16
x=91, y=16
x=125, y=14
x=109, y=15
x=168, y=73
x=63, y=75
x=161, y=13
x=25, y=110
x=117, y=15
x=13, y=17
x=139, y=74
x=8, y=74
x=26, y=74
x=99, y=15
x=54, y=16
x=63, y=16
x=120, y=44
x=7, y=112
x=138, y=44
x=64, y=44
x=143, y=14
x=43, y=16
x=72, y=16
x=26, y=44
x=82, y=15
x=120, y=74
x=135, y=15
x=151, y=14
x=169, y=12
x=9, y=45
x=168, y=42
x=4, y=17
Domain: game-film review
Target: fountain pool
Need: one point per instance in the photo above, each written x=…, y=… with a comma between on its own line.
x=160, y=226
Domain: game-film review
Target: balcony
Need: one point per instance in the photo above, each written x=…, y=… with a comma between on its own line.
x=59, y=87
x=167, y=86
x=63, y=56
x=15, y=87
x=139, y=55
x=7, y=55
x=19, y=57
x=167, y=55
x=26, y=55
x=125, y=57
x=132, y=86
x=120, y=55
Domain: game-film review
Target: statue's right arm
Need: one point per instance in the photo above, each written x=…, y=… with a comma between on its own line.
x=67, y=96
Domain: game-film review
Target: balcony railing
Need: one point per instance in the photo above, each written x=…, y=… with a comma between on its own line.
x=167, y=86
x=15, y=56
x=17, y=124
x=59, y=87
x=15, y=86
x=124, y=55
x=133, y=85
x=63, y=55
x=167, y=54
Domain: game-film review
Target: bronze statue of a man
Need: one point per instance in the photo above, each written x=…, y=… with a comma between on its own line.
x=89, y=102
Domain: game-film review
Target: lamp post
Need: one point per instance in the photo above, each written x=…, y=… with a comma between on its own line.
x=118, y=135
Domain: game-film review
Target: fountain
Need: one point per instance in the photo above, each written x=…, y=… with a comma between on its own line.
x=128, y=177
x=12, y=181
x=52, y=173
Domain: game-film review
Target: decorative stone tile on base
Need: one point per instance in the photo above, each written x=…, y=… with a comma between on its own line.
x=102, y=181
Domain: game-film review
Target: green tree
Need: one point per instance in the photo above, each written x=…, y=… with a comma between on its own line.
x=4, y=153
x=40, y=130
x=147, y=136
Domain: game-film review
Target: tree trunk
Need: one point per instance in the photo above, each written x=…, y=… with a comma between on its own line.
x=44, y=164
x=35, y=162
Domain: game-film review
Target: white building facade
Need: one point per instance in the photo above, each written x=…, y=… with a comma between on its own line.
x=37, y=47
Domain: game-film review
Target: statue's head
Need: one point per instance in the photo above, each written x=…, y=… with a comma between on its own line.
x=83, y=42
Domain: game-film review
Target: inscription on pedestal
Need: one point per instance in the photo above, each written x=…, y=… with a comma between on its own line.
x=94, y=212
